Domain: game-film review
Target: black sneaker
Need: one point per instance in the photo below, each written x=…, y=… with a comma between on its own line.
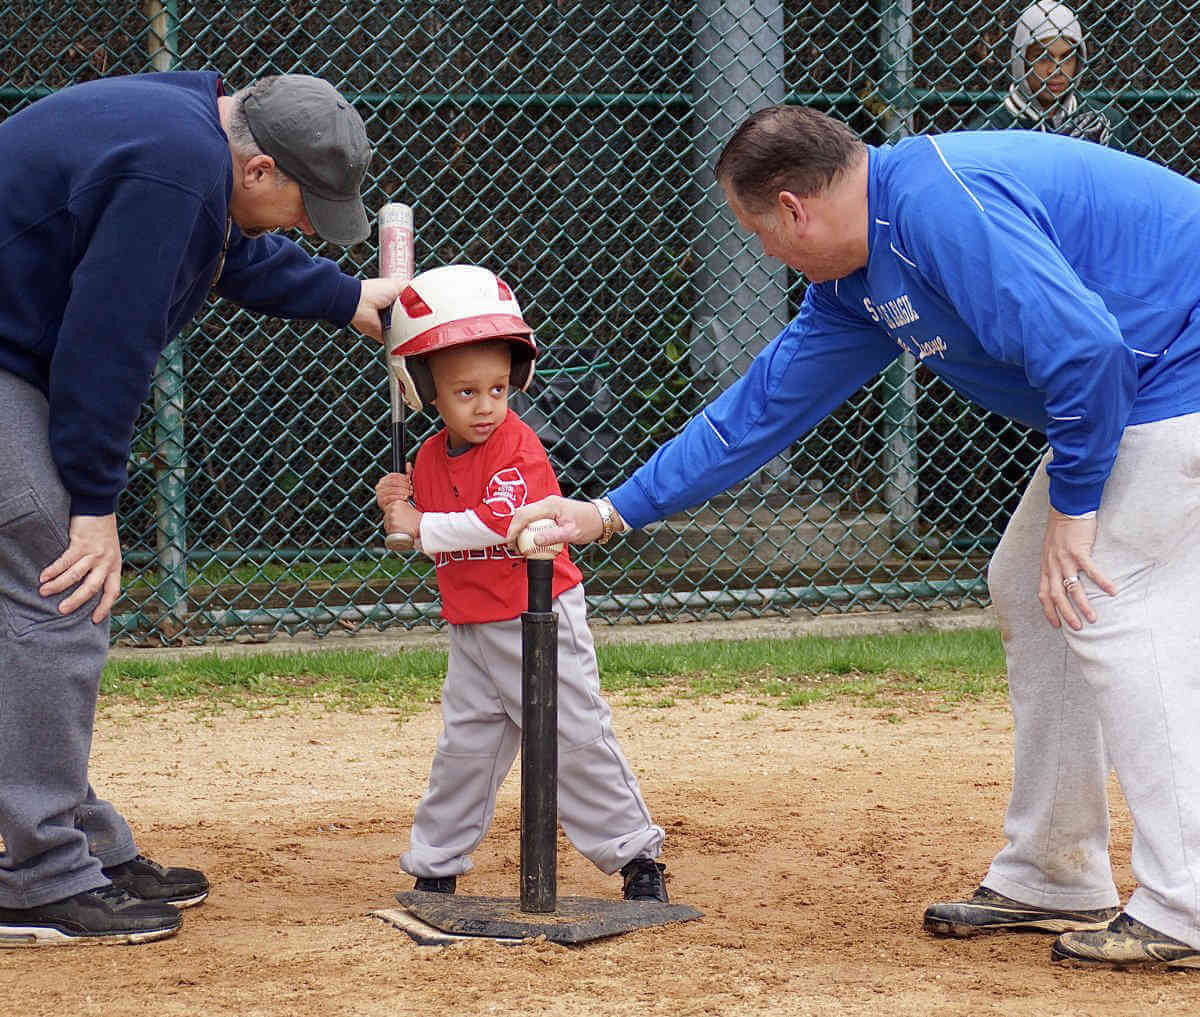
x=104, y=915
x=988, y=911
x=1125, y=943
x=644, y=880
x=141, y=877
x=436, y=884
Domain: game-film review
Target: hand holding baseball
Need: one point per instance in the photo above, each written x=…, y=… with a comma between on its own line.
x=578, y=521
x=542, y=538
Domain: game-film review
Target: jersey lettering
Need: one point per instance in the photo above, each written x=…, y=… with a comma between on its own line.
x=895, y=313
x=496, y=552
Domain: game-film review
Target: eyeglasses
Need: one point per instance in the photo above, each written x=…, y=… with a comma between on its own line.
x=224, y=251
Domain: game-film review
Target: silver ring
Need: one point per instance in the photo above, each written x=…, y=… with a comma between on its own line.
x=1071, y=582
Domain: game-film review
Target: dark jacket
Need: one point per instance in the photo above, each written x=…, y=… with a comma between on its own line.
x=1070, y=115
x=115, y=211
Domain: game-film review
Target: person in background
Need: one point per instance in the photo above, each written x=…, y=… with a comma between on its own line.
x=1048, y=56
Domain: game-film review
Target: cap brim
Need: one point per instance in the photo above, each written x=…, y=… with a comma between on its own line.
x=342, y=222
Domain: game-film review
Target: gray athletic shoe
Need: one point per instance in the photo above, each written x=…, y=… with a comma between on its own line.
x=145, y=878
x=1125, y=943
x=988, y=911
x=104, y=915
x=436, y=884
x=645, y=880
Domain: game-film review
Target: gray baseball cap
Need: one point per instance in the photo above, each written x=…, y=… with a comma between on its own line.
x=317, y=138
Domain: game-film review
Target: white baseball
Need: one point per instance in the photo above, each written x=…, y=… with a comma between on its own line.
x=527, y=539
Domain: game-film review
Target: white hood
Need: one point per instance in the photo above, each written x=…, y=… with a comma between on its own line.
x=1042, y=21
x=1045, y=20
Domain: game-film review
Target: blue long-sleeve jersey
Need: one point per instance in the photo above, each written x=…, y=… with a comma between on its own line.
x=115, y=202
x=1048, y=279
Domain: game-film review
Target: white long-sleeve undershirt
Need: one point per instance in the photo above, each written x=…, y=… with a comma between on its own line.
x=455, y=531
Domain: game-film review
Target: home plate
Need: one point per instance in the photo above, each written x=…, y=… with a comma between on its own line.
x=440, y=918
x=424, y=934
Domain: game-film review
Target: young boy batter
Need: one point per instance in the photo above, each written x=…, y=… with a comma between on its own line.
x=466, y=346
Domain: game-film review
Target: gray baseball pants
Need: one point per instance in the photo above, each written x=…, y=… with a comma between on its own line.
x=57, y=834
x=1122, y=693
x=599, y=803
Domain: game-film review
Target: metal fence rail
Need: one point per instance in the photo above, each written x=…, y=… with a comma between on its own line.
x=569, y=146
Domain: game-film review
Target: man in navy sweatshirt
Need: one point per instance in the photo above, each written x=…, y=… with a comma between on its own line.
x=1057, y=282
x=123, y=203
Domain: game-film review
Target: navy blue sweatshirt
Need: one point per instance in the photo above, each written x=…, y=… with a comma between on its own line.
x=115, y=202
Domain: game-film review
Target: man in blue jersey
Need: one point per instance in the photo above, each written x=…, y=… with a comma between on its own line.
x=123, y=203
x=1056, y=282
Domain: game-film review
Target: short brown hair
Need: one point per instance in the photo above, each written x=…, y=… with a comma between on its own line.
x=785, y=148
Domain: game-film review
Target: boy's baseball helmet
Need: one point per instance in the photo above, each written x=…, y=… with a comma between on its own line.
x=452, y=306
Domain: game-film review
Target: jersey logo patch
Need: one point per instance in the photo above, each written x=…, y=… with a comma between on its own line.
x=506, y=491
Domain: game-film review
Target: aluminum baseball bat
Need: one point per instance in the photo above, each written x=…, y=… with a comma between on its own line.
x=395, y=262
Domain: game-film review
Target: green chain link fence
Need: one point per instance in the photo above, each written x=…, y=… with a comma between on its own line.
x=569, y=146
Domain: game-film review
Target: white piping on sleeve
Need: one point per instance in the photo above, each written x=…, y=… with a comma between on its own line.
x=952, y=173
x=720, y=437
x=1077, y=417
x=1144, y=353
x=911, y=264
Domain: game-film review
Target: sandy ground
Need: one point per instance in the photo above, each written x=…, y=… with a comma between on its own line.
x=810, y=839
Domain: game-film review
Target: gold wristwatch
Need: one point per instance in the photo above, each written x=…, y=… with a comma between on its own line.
x=610, y=519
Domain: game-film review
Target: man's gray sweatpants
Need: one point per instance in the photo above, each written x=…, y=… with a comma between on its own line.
x=57, y=835
x=1122, y=693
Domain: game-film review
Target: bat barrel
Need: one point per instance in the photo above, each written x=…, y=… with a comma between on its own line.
x=396, y=241
x=539, y=744
x=396, y=261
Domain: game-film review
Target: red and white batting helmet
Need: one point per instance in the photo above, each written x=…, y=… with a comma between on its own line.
x=452, y=306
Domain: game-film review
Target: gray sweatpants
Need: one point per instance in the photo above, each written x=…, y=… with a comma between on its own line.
x=1122, y=693
x=56, y=833
x=599, y=803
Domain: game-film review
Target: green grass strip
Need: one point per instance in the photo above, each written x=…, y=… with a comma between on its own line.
x=785, y=673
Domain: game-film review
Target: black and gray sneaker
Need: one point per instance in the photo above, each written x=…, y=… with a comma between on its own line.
x=144, y=878
x=436, y=884
x=644, y=880
x=988, y=911
x=104, y=915
x=1125, y=943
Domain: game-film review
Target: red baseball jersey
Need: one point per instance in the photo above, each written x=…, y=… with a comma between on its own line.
x=492, y=480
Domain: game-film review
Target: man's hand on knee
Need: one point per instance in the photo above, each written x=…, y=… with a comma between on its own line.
x=91, y=564
x=1066, y=558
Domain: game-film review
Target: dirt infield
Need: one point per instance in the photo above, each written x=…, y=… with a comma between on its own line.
x=811, y=839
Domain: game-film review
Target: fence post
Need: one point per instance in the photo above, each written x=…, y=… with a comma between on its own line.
x=737, y=59
x=170, y=494
x=899, y=380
